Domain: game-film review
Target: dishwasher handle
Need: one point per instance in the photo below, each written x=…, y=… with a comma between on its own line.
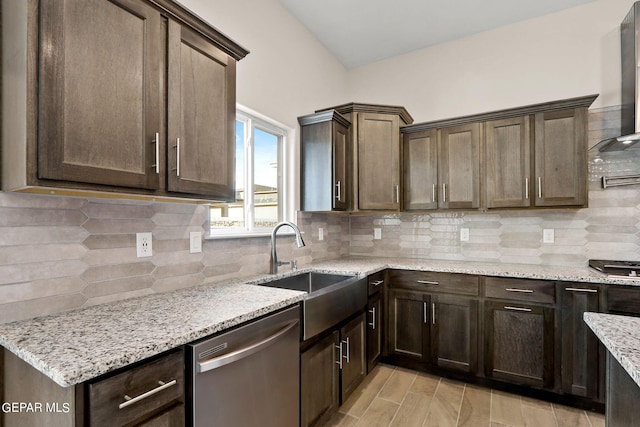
x=234, y=356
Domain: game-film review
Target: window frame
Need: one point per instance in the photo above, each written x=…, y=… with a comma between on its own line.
x=288, y=185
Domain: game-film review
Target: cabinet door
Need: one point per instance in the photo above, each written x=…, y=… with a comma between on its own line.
x=580, y=349
x=99, y=104
x=508, y=163
x=354, y=362
x=459, y=166
x=560, y=158
x=341, y=168
x=378, y=161
x=374, y=330
x=320, y=381
x=519, y=343
x=201, y=121
x=408, y=331
x=420, y=170
x=454, y=333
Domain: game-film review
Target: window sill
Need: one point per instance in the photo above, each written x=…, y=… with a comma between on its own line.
x=240, y=235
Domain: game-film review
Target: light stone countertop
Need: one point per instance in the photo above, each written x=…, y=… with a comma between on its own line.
x=621, y=336
x=78, y=345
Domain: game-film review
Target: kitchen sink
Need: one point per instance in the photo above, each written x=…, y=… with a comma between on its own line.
x=331, y=298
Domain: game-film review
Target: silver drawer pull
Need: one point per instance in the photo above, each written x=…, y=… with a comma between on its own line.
x=427, y=282
x=348, y=356
x=523, y=291
x=377, y=282
x=340, y=355
x=509, y=307
x=131, y=400
x=593, y=291
x=156, y=141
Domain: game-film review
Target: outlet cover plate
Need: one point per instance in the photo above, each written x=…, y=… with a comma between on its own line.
x=195, y=242
x=548, y=235
x=377, y=233
x=144, y=245
x=464, y=234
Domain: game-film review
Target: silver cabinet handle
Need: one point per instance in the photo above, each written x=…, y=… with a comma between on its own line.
x=131, y=400
x=339, y=362
x=348, y=356
x=223, y=360
x=338, y=190
x=156, y=141
x=373, y=318
x=539, y=188
x=433, y=193
x=509, y=307
x=397, y=193
x=377, y=282
x=433, y=313
x=523, y=291
x=177, y=156
x=593, y=291
x=424, y=314
x=444, y=193
x=427, y=282
x=526, y=188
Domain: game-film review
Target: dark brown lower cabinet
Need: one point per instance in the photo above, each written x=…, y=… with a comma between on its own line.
x=623, y=395
x=519, y=343
x=330, y=370
x=454, y=332
x=437, y=329
x=581, y=364
x=320, y=381
x=408, y=331
x=374, y=330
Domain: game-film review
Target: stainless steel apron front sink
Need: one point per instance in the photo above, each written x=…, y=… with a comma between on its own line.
x=331, y=299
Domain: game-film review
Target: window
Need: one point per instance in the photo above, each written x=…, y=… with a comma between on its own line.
x=261, y=185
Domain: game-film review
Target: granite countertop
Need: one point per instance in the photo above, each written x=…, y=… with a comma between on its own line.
x=366, y=265
x=621, y=336
x=76, y=346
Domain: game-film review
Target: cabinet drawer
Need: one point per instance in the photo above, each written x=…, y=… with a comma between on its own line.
x=462, y=284
x=623, y=300
x=375, y=282
x=147, y=388
x=520, y=289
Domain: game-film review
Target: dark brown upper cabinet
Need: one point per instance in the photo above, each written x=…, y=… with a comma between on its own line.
x=325, y=162
x=507, y=163
x=459, y=167
x=533, y=156
x=375, y=136
x=441, y=168
x=123, y=96
x=202, y=111
x=561, y=157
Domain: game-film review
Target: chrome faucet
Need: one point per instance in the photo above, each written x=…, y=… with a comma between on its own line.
x=274, y=258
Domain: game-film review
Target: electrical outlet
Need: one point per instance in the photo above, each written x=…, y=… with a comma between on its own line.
x=464, y=234
x=377, y=233
x=320, y=233
x=548, y=235
x=195, y=242
x=144, y=244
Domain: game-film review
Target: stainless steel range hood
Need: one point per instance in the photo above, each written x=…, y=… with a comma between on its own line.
x=630, y=128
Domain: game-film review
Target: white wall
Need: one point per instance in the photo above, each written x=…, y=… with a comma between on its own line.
x=288, y=72
x=571, y=53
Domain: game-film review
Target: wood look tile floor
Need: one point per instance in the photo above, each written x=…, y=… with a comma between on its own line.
x=391, y=396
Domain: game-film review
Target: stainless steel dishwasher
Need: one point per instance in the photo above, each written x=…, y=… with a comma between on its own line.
x=249, y=376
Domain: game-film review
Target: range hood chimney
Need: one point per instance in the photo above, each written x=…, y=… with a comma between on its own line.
x=630, y=103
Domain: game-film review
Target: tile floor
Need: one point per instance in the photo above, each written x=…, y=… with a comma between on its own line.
x=391, y=396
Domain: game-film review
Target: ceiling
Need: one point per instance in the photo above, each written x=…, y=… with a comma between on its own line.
x=360, y=32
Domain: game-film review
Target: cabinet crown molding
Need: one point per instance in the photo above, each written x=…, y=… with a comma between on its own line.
x=354, y=107
x=580, y=102
x=324, y=116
